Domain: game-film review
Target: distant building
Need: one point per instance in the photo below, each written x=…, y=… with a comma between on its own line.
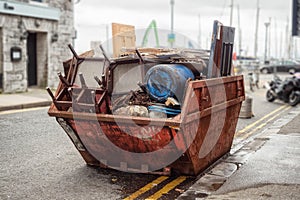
x=34, y=35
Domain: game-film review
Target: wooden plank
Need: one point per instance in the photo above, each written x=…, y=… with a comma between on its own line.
x=123, y=36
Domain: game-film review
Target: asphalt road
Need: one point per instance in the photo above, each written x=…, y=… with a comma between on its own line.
x=260, y=106
x=38, y=160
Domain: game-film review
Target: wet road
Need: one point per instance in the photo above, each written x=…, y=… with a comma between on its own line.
x=260, y=106
x=38, y=161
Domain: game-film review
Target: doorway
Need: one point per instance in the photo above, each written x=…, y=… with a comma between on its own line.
x=32, y=59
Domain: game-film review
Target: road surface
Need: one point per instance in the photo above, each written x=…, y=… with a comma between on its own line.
x=38, y=160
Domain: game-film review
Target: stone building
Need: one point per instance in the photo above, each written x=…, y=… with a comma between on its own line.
x=34, y=35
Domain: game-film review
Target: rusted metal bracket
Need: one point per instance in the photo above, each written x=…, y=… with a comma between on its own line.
x=104, y=54
x=140, y=56
x=75, y=64
x=63, y=79
x=82, y=80
x=97, y=79
x=51, y=94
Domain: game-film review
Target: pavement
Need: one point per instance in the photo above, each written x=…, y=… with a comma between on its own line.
x=264, y=167
x=34, y=97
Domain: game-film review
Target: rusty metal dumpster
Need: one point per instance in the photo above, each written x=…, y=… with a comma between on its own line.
x=86, y=106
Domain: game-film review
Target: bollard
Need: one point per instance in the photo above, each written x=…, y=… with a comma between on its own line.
x=246, y=109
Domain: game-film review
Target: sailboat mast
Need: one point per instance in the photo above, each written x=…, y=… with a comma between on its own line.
x=288, y=40
x=256, y=31
x=231, y=12
x=276, y=38
x=199, y=33
x=240, y=31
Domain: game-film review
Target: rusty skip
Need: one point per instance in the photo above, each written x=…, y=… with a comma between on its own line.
x=179, y=105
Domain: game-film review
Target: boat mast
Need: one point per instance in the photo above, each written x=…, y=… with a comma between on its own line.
x=276, y=38
x=256, y=30
x=281, y=45
x=172, y=40
x=269, y=41
x=288, y=40
x=199, y=33
x=240, y=31
x=231, y=12
x=267, y=24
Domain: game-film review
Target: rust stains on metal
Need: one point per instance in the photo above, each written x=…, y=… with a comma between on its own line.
x=86, y=106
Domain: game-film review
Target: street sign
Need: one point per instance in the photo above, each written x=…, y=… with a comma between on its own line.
x=171, y=37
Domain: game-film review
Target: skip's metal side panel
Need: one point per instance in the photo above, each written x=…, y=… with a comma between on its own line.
x=69, y=130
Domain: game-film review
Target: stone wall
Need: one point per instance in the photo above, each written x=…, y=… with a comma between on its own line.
x=53, y=38
x=59, y=50
x=14, y=73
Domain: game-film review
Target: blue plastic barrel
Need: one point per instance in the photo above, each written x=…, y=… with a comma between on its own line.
x=166, y=110
x=167, y=80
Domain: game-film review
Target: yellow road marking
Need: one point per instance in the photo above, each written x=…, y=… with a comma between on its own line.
x=264, y=124
x=20, y=110
x=167, y=188
x=258, y=121
x=146, y=187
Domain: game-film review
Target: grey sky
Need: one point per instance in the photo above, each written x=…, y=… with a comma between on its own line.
x=92, y=16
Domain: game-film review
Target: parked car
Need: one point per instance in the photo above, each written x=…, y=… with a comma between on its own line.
x=243, y=63
x=290, y=66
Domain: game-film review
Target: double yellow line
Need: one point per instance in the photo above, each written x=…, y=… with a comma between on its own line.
x=244, y=133
x=168, y=187
x=255, y=125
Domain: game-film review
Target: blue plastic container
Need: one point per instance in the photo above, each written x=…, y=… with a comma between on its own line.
x=168, y=111
x=167, y=80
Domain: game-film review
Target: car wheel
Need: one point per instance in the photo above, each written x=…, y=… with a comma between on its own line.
x=265, y=71
x=270, y=96
x=292, y=71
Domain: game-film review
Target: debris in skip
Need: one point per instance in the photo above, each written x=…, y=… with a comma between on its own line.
x=151, y=110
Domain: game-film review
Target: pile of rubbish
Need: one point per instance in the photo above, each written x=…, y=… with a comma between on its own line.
x=162, y=91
